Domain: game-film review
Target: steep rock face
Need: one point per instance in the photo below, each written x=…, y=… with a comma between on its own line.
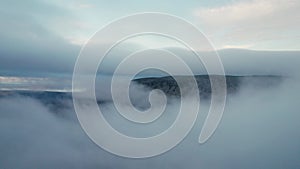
x=233, y=83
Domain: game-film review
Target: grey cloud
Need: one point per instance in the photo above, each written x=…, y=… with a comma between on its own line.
x=239, y=61
x=27, y=44
x=235, y=62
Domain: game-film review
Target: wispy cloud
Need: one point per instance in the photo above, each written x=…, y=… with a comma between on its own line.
x=247, y=22
x=11, y=83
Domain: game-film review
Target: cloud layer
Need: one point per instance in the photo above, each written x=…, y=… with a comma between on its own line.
x=259, y=129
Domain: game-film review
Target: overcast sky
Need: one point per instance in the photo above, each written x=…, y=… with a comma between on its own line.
x=41, y=35
x=253, y=24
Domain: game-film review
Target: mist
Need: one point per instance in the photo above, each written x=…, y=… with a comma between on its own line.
x=259, y=129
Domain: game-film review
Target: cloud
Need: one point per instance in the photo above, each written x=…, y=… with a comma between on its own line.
x=28, y=43
x=33, y=40
x=35, y=136
x=238, y=61
x=11, y=83
x=253, y=21
x=251, y=11
x=235, y=62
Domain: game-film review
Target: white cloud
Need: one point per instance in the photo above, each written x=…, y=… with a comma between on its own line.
x=11, y=83
x=245, y=11
x=35, y=136
x=247, y=22
x=237, y=46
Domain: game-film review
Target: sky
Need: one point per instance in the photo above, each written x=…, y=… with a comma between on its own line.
x=251, y=24
x=46, y=36
x=41, y=39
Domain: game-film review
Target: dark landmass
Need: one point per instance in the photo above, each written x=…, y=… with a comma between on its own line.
x=168, y=85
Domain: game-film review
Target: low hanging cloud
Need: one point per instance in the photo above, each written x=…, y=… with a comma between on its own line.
x=35, y=136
